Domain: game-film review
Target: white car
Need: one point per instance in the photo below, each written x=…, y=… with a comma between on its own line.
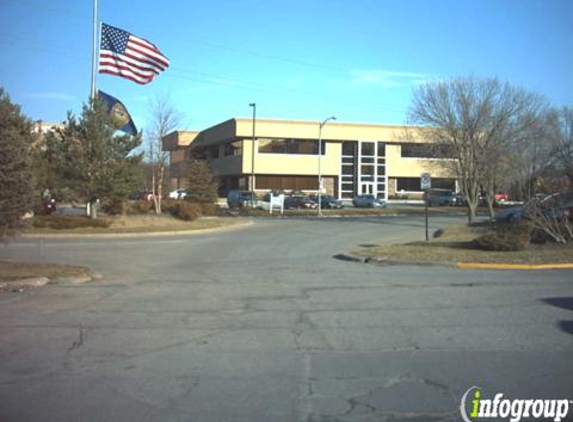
x=178, y=194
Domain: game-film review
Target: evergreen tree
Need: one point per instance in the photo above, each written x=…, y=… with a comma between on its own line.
x=201, y=186
x=93, y=161
x=16, y=175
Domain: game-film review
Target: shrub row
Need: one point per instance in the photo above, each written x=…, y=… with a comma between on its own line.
x=66, y=222
x=189, y=211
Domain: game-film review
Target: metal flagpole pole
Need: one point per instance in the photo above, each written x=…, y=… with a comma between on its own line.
x=94, y=49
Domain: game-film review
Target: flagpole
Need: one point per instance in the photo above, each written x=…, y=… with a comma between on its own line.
x=94, y=49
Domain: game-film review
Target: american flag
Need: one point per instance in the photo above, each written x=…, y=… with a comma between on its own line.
x=123, y=54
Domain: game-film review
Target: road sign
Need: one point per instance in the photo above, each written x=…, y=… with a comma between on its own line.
x=425, y=181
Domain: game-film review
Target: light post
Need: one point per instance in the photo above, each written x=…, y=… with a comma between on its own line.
x=319, y=157
x=252, y=182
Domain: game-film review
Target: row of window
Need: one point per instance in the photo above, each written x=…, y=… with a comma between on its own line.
x=412, y=184
x=310, y=147
x=413, y=150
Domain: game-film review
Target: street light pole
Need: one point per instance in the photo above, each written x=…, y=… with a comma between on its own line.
x=319, y=159
x=252, y=182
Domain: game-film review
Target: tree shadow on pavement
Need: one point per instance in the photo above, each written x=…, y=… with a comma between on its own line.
x=563, y=303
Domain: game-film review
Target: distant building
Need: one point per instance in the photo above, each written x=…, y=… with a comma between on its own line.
x=42, y=127
x=356, y=158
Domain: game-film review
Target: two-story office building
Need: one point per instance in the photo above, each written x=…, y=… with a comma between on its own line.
x=355, y=158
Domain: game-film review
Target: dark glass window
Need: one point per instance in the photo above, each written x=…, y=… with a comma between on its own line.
x=290, y=146
x=381, y=170
x=287, y=182
x=233, y=148
x=348, y=170
x=349, y=148
x=214, y=152
x=415, y=150
x=381, y=149
x=367, y=170
x=411, y=184
x=367, y=148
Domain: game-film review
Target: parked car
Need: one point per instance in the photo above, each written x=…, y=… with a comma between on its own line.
x=459, y=200
x=440, y=197
x=368, y=201
x=178, y=194
x=500, y=198
x=241, y=198
x=301, y=202
x=328, y=201
x=556, y=207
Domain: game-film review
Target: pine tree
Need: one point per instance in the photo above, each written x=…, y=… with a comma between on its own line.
x=93, y=161
x=16, y=175
x=201, y=186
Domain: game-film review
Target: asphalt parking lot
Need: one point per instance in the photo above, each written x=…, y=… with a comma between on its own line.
x=262, y=324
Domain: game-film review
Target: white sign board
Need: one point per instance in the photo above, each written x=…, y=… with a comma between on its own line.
x=277, y=201
x=425, y=181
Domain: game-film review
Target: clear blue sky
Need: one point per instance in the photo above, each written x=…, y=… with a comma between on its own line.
x=298, y=59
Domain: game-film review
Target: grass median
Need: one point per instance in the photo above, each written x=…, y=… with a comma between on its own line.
x=125, y=224
x=457, y=244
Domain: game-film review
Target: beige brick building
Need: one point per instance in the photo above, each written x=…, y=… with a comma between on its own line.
x=356, y=158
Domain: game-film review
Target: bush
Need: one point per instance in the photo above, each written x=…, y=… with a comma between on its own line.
x=210, y=210
x=66, y=222
x=510, y=237
x=141, y=206
x=186, y=211
x=115, y=208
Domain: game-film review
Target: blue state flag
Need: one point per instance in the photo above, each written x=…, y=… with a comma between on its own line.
x=118, y=113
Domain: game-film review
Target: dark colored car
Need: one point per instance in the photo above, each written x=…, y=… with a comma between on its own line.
x=557, y=206
x=301, y=202
x=459, y=200
x=367, y=201
x=440, y=197
x=328, y=202
x=239, y=198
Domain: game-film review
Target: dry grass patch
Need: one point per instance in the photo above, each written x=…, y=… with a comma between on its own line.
x=13, y=271
x=144, y=224
x=457, y=245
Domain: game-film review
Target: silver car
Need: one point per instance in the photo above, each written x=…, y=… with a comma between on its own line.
x=368, y=201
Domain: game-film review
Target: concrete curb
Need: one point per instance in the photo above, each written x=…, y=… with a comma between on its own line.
x=458, y=265
x=134, y=234
x=492, y=266
x=384, y=261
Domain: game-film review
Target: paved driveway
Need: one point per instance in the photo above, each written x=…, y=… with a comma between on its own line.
x=261, y=324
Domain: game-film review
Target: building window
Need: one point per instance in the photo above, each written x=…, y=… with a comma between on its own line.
x=233, y=148
x=367, y=148
x=214, y=152
x=412, y=184
x=349, y=148
x=287, y=182
x=415, y=150
x=290, y=146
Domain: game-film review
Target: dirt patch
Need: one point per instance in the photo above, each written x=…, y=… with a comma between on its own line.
x=20, y=275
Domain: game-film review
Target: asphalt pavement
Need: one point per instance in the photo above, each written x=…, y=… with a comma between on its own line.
x=262, y=324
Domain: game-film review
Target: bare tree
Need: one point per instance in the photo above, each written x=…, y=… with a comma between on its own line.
x=560, y=133
x=164, y=118
x=479, y=122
